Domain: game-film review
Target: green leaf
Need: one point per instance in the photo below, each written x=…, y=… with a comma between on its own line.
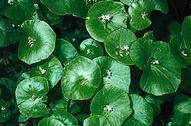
x=128, y=2
x=161, y=72
x=75, y=106
x=65, y=51
x=91, y=48
x=118, y=44
x=112, y=103
x=37, y=42
x=9, y=33
x=180, y=50
x=139, y=12
x=96, y=120
x=81, y=79
x=31, y=96
x=20, y=11
x=114, y=73
x=186, y=32
x=5, y=112
x=155, y=102
x=51, y=69
x=143, y=112
x=59, y=118
x=105, y=17
x=9, y=84
x=161, y=5
x=67, y=7
x=60, y=105
x=182, y=111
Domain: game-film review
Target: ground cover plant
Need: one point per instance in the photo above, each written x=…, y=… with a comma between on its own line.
x=95, y=63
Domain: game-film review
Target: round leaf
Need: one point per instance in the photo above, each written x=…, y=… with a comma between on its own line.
x=37, y=43
x=186, y=26
x=51, y=69
x=180, y=50
x=112, y=103
x=105, y=17
x=20, y=11
x=81, y=78
x=143, y=112
x=90, y=48
x=65, y=51
x=31, y=95
x=96, y=120
x=59, y=118
x=67, y=7
x=161, y=72
x=118, y=45
x=182, y=111
x=114, y=73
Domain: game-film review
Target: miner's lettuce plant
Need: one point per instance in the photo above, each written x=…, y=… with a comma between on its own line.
x=94, y=63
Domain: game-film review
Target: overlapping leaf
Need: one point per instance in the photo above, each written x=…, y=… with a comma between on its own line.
x=37, y=42
x=31, y=97
x=161, y=72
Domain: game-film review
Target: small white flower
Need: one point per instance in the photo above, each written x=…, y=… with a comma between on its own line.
x=33, y=97
x=88, y=51
x=105, y=18
x=31, y=41
x=11, y=2
x=125, y=47
x=184, y=53
x=155, y=62
x=109, y=74
x=3, y=108
x=123, y=50
x=42, y=70
x=36, y=6
x=13, y=25
x=108, y=108
x=144, y=15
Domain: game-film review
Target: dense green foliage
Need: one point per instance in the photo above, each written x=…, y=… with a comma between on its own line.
x=95, y=63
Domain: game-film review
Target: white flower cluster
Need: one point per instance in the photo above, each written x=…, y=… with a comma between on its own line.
x=122, y=50
x=31, y=41
x=108, y=108
x=11, y=2
x=155, y=62
x=109, y=74
x=42, y=70
x=36, y=6
x=105, y=18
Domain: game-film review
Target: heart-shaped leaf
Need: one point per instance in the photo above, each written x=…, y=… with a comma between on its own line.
x=37, y=42
x=161, y=72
